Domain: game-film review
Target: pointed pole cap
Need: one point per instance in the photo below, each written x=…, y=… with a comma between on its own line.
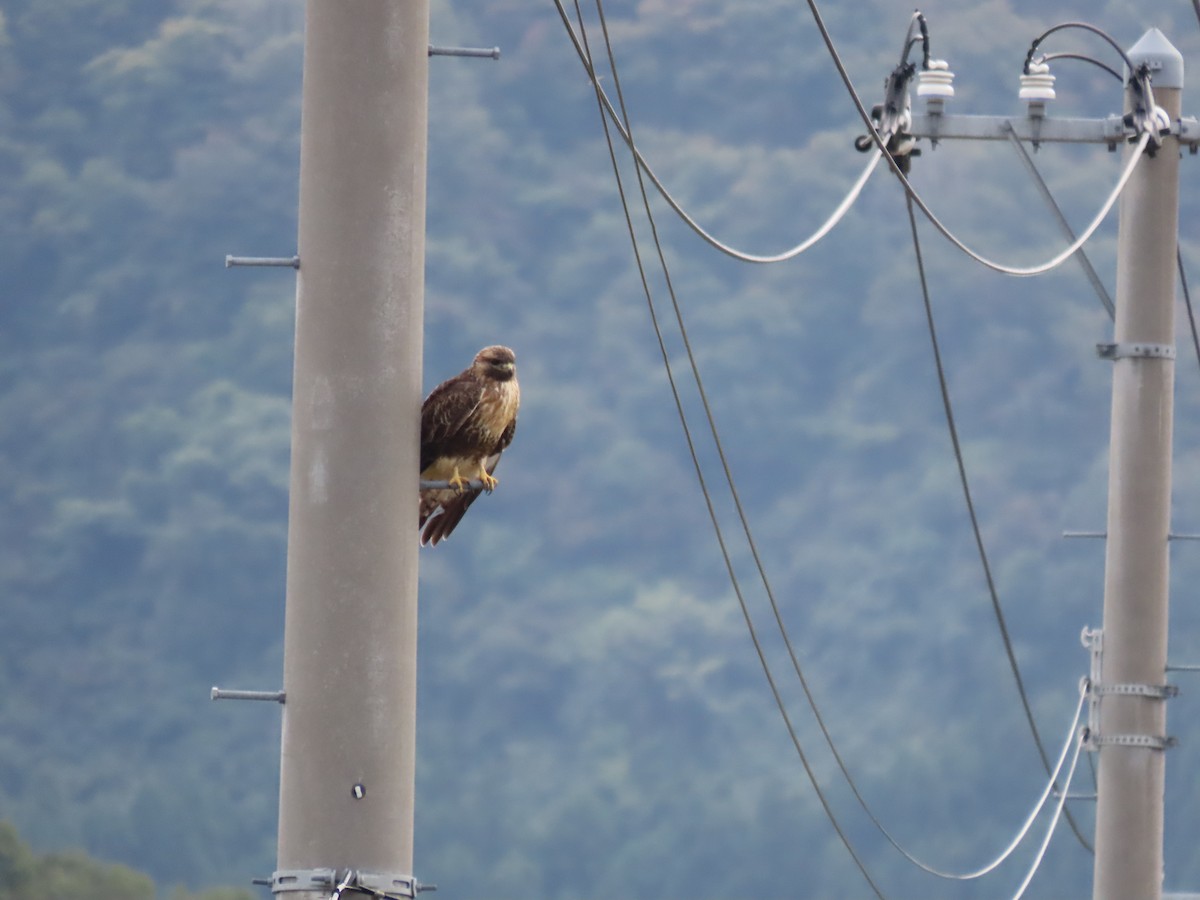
x=1166, y=63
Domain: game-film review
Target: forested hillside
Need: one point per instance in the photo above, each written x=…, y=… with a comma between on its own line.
x=593, y=718
x=25, y=875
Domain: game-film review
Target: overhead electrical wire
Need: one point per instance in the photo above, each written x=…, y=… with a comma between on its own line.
x=1187, y=299
x=1059, y=809
x=782, y=707
x=735, y=495
x=1104, y=298
x=1082, y=57
x=605, y=106
x=830, y=223
x=937, y=223
x=1044, y=189
x=993, y=594
x=919, y=202
x=627, y=132
x=1081, y=26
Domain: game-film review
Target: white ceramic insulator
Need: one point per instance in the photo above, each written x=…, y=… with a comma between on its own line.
x=1038, y=84
x=936, y=81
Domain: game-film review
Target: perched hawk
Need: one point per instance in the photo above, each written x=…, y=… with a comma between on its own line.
x=466, y=423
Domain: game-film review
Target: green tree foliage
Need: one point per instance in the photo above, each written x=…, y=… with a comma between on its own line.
x=25, y=875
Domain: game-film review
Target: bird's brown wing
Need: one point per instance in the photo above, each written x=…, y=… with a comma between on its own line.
x=443, y=508
x=444, y=414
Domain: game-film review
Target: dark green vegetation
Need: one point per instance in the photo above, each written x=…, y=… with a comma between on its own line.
x=593, y=719
x=25, y=875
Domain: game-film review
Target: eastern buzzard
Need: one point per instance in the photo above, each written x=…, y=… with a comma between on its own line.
x=466, y=423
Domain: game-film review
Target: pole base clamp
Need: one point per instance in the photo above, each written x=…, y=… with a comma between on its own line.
x=336, y=882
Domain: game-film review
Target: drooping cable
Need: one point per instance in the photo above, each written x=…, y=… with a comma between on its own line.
x=753, y=547
x=819, y=21
x=1044, y=189
x=1033, y=813
x=736, y=497
x=1058, y=811
x=1022, y=832
x=1083, y=57
x=1082, y=26
x=830, y=223
x=993, y=594
x=782, y=707
x=937, y=223
x=625, y=135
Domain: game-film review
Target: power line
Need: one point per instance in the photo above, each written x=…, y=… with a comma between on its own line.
x=1082, y=26
x=683, y=418
x=994, y=596
x=1044, y=190
x=1058, y=811
x=835, y=217
x=1083, y=57
x=881, y=143
x=915, y=198
x=751, y=543
x=626, y=132
x=1187, y=297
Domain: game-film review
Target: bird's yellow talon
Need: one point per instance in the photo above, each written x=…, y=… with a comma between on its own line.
x=489, y=483
x=457, y=482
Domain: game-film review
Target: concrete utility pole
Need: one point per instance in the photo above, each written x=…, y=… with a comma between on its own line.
x=1129, y=724
x=348, y=748
x=1132, y=730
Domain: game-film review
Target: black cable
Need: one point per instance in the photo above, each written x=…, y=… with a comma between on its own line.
x=1084, y=26
x=1187, y=295
x=911, y=193
x=1044, y=189
x=1083, y=57
x=687, y=431
x=966, y=488
x=735, y=494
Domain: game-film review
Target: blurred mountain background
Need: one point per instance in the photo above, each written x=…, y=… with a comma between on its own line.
x=593, y=718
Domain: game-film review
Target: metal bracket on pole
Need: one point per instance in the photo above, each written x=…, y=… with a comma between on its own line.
x=283, y=262
x=1134, y=351
x=1149, y=691
x=1173, y=536
x=380, y=885
x=223, y=694
x=1093, y=741
x=477, y=52
x=1093, y=640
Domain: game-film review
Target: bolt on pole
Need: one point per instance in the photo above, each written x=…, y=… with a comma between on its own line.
x=1129, y=810
x=348, y=741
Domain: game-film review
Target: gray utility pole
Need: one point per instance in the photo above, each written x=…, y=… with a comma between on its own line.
x=1133, y=717
x=1128, y=723
x=348, y=748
